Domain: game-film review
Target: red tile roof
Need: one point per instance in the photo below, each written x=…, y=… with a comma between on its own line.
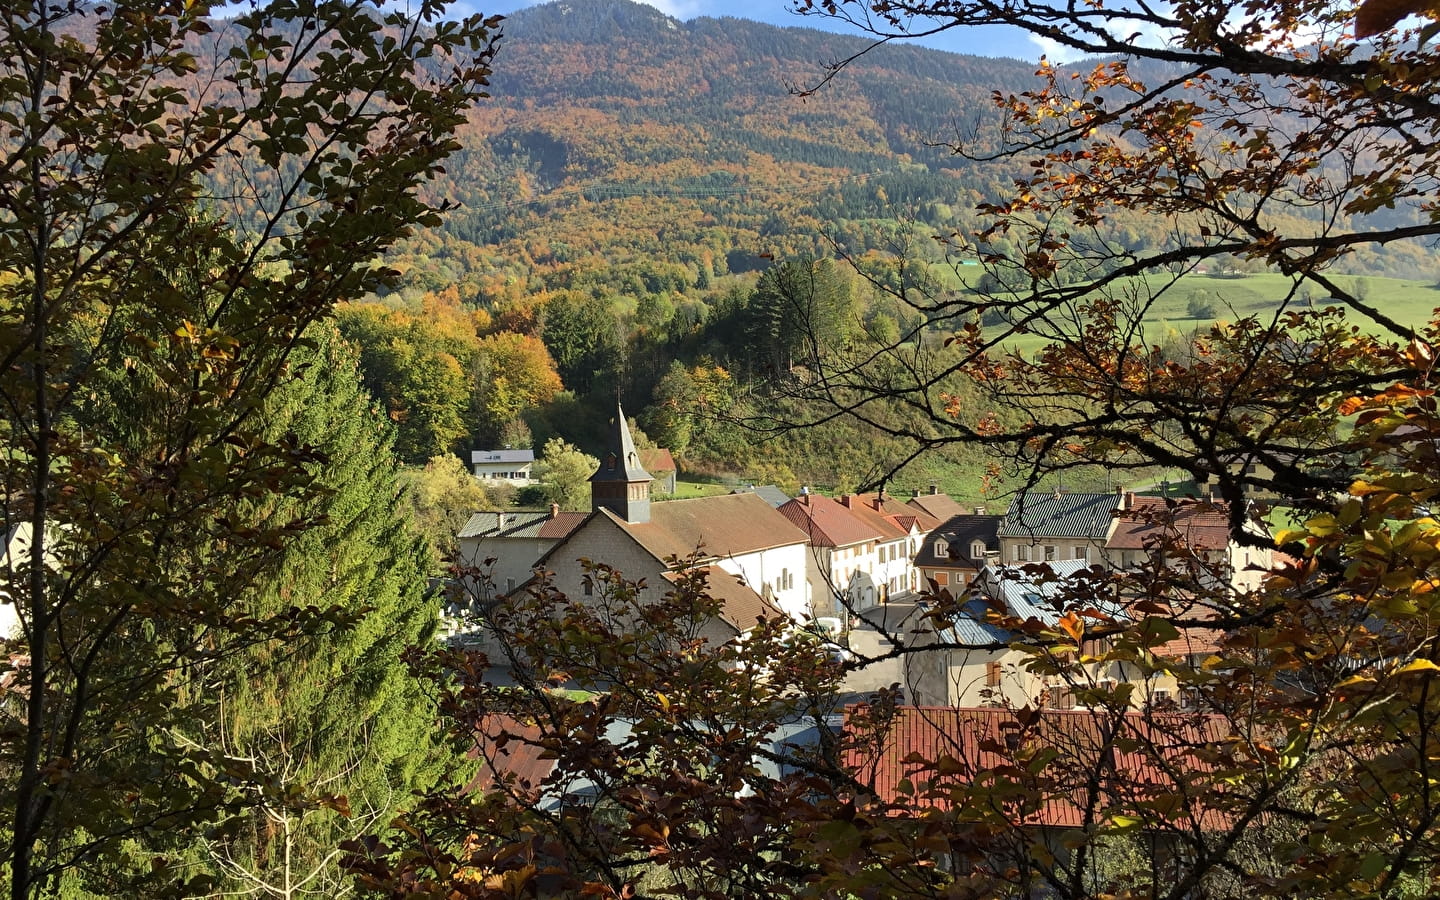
x=507, y=749
x=657, y=460
x=889, y=517
x=829, y=524
x=721, y=526
x=1197, y=525
x=898, y=512
x=1156, y=754
x=561, y=524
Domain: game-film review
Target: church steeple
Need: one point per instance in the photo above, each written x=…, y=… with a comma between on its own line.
x=621, y=484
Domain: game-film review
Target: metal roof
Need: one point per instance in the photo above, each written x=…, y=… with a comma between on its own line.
x=1026, y=593
x=501, y=456
x=521, y=523
x=1102, y=760
x=1060, y=515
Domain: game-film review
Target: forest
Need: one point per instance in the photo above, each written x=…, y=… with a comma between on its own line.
x=638, y=198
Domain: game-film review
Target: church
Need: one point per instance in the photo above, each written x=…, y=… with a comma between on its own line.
x=754, y=557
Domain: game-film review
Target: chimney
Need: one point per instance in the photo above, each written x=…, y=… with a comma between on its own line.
x=1129, y=501
x=1058, y=492
x=980, y=511
x=499, y=520
x=845, y=500
x=878, y=501
x=554, y=510
x=934, y=489
x=917, y=493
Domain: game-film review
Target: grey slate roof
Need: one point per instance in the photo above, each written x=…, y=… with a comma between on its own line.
x=622, y=462
x=960, y=532
x=501, y=456
x=767, y=492
x=1037, y=515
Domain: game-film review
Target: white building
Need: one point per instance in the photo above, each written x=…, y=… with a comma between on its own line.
x=509, y=466
x=754, y=557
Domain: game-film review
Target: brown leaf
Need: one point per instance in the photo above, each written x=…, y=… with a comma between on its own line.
x=1374, y=16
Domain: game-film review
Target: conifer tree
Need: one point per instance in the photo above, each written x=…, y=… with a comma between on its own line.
x=337, y=714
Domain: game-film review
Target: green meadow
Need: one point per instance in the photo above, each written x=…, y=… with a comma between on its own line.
x=1236, y=296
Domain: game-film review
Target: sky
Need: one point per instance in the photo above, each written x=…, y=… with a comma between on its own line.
x=995, y=41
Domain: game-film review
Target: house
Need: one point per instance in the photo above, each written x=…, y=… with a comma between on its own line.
x=1187, y=530
x=843, y=568
x=987, y=663
x=756, y=558
x=506, y=544
x=984, y=666
x=1077, y=768
x=935, y=504
x=519, y=756
x=906, y=528
x=661, y=466
x=1048, y=527
x=512, y=467
x=954, y=553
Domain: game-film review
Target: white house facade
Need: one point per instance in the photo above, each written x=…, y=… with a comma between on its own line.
x=514, y=467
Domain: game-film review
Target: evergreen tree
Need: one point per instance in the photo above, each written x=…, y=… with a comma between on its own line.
x=337, y=714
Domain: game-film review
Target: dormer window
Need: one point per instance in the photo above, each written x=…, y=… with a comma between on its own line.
x=942, y=548
x=977, y=549
x=610, y=462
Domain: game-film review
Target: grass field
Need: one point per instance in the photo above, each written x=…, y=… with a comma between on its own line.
x=1234, y=297
x=685, y=490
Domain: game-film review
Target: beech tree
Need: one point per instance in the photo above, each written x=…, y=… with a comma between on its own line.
x=564, y=471
x=183, y=196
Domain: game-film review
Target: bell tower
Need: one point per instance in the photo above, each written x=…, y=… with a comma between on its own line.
x=621, y=484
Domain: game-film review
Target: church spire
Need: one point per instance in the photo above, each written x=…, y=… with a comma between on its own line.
x=621, y=484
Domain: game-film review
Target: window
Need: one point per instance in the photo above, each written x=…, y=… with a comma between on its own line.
x=992, y=674
x=589, y=587
x=1022, y=553
x=942, y=578
x=942, y=548
x=1049, y=552
x=1059, y=697
x=977, y=549
x=1082, y=552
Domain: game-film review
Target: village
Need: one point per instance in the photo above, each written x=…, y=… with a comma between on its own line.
x=947, y=606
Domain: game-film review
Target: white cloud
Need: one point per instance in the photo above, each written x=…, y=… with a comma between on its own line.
x=1055, y=51
x=680, y=9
